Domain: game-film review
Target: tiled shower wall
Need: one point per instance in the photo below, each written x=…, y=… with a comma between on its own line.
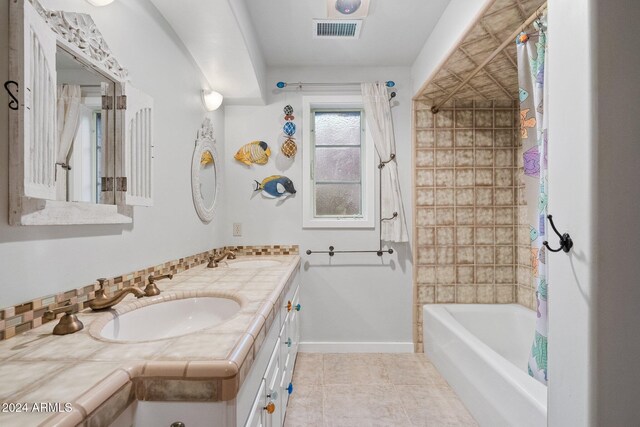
x=467, y=182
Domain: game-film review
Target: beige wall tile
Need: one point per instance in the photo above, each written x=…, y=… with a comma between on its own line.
x=464, y=236
x=465, y=255
x=444, y=158
x=484, y=157
x=444, y=236
x=444, y=178
x=445, y=275
x=464, y=197
x=444, y=119
x=426, y=275
x=484, y=138
x=466, y=294
x=425, y=158
x=484, y=216
x=444, y=138
x=445, y=216
x=464, y=178
x=426, y=236
x=424, y=178
x=424, y=119
x=425, y=138
x=465, y=274
x=426, y=217
x=483, y=118
x=445, y=294
x=464, y=138
x=463, y=158
x=464, y=118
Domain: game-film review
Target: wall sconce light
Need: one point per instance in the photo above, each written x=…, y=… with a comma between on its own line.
x=211, y=100
x=99, y=3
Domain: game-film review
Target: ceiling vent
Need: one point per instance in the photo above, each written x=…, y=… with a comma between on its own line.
x=337, y=28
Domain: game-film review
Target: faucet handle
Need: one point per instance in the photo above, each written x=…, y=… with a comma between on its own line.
x=212, y=261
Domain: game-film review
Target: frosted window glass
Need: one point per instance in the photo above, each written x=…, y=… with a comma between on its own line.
x=337, y=128
x=338, y=199
x=338, y=164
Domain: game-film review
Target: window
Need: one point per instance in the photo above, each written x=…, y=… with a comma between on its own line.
x=338, y=165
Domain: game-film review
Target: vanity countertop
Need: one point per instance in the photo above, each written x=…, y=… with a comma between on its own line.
x=85, y=371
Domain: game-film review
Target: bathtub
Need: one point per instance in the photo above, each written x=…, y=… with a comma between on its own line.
x=482, y=351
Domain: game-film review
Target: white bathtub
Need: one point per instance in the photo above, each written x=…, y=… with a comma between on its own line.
x=482, y=351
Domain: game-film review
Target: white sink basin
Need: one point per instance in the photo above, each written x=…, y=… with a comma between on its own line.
x=170, y=319
x=255, y=263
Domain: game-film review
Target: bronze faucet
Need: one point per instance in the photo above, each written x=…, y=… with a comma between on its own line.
x=214, y=260
x=69, y=323
x=151, y=289
x=101, y=301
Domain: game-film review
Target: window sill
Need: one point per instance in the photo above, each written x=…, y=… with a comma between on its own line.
x=338, y=223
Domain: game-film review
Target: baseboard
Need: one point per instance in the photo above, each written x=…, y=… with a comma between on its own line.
x=356, y=347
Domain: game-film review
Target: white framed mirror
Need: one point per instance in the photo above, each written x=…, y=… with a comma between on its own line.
x=205, y=175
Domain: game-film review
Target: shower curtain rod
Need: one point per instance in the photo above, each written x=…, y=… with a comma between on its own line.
x=282, y=85
x=536, y=15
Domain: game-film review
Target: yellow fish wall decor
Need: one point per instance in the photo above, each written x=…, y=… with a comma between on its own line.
x=254, y=152
x=206, y=158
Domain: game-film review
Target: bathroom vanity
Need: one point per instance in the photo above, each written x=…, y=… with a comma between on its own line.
x=217, y=347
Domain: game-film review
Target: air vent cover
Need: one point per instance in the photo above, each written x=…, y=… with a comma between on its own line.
x=337, y=28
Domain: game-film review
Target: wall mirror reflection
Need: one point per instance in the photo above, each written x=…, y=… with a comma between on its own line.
x=85, y=132
x=205, y=178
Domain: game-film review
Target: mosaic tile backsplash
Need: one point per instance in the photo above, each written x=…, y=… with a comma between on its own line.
x=468, y=205
x=26, y=316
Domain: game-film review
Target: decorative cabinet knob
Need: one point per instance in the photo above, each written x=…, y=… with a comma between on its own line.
x=270, y=408
x=289, y=305
x=288, y=342
x=290, y=388
x=273, y=395
x=298, y=307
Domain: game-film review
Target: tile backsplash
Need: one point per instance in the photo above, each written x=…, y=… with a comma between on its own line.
x=468, y=205
x=26, y=316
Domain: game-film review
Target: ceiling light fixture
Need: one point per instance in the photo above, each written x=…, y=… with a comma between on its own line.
x=99, y=3
x=211, y=100
x=347, y=7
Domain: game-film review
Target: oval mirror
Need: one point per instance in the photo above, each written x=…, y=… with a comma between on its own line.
x=205, y=179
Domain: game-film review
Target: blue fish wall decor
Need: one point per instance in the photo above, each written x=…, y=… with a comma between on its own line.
x=275, y=186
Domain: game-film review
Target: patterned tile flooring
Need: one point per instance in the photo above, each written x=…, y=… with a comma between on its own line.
x=350, y=390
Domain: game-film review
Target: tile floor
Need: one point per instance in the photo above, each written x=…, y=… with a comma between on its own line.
x=372, y=390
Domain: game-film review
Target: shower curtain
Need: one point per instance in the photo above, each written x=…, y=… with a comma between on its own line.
x=378, y=115
x=533, y=128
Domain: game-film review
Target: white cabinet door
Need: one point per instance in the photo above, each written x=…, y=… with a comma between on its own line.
x=256, y=416
x=138, y=150
x=33, y=126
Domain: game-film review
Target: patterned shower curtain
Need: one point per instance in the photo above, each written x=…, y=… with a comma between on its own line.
x=533, y=128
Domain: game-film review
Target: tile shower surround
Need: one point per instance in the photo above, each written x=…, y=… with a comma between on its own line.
x=26, y=316
x=470, y=246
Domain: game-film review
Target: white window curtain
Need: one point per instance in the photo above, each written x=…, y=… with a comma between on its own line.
x=378, y=113
x=68, y=114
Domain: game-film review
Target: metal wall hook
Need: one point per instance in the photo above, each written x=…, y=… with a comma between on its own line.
x=13, y=104
x=382, y=163
x=566, y=243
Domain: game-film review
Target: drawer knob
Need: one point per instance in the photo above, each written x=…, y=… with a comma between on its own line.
x=288, y=342
x=298, y=307
x=290, y=388
x=270, y=408
x=273, y=395
x=289, y=305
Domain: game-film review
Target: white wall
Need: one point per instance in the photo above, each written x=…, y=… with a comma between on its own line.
x=452, y=26
x=617, y=218
x=358, y=298
x=594, y=339
x=38, y=261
